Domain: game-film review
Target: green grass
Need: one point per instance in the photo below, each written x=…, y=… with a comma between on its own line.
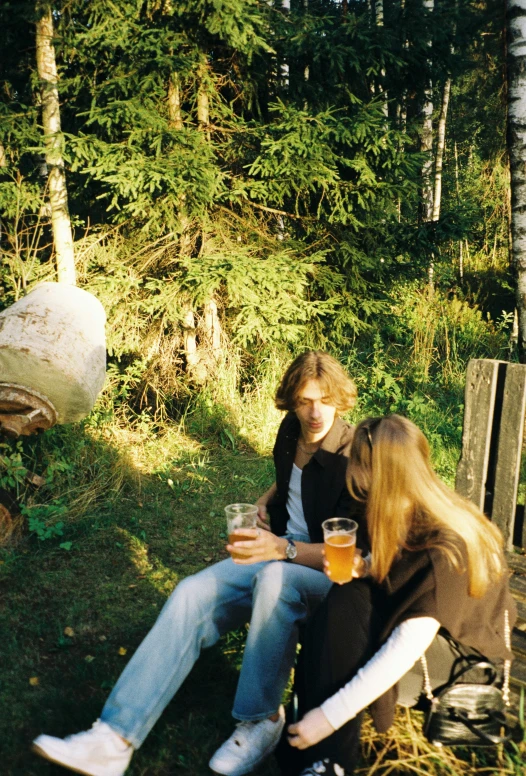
x=67, y=616
x=145, y=509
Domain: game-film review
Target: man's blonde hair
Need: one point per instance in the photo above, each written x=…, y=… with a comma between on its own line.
x=335, y=383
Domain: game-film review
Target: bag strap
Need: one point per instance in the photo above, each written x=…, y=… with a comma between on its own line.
x=482, y=664
x=483, y=734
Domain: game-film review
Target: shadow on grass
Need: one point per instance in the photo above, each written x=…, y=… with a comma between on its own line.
x=70, y=619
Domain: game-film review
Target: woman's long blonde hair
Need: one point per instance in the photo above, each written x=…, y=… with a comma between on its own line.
x=407, y=506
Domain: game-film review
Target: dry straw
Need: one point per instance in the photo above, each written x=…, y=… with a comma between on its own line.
x=405, y=750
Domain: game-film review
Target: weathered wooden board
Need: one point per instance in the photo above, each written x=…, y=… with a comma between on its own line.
x=509, y=450
x=518, y=643
x=479, y=404
x=518, y=637
x=518, y=587
x=516, y=562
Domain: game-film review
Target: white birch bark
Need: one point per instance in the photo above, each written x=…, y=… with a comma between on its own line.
x=441, y=145
x=401, y=110
x=517, y=150
x=427, y=136
x=284, y=70
x=54, y=141
x=306, y=72
x=460, y=245
x=379, y=16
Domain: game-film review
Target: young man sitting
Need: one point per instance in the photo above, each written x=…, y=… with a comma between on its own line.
x=273, y=585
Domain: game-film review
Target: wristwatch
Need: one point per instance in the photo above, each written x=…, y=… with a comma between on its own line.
x=290, y=550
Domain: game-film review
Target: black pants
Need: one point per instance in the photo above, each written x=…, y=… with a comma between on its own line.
x=339, y=639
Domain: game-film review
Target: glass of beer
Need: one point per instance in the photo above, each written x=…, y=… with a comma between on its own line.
x=339, y=535
x=239, y=516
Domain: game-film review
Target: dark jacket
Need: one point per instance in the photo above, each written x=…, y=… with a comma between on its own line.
x=425, y=584
x=324, y=493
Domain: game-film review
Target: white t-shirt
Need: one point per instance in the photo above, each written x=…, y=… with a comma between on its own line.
x=296, y=523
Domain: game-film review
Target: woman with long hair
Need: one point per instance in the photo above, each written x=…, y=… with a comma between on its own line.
x=436, y=582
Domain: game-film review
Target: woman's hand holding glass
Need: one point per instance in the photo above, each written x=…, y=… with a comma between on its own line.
x=361, y=566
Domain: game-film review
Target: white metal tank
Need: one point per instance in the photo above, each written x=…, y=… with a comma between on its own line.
x=52, y=358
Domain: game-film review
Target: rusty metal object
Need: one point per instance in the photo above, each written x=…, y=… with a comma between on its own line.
x=24, y=412
x=11, y=521
x=6, y=524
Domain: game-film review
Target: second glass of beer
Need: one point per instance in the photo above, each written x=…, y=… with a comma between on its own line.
x=339, y=535
x=240, y=516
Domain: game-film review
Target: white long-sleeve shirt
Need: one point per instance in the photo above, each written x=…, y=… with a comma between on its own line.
x=406, y=644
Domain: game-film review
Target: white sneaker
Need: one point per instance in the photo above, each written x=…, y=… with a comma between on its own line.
x=96, y=752
x=248, y=746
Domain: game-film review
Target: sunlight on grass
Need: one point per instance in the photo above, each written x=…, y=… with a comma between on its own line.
x=162, y=578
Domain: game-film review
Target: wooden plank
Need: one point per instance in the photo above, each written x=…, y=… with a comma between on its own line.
x=516, y=562
x=518, y=587
x=521, y=616
x=518, y=673
x=518, y=644
x=479, y=403
x=509, y=451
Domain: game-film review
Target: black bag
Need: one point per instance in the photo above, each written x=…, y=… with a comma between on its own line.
x=465, y=714
x=471, y=714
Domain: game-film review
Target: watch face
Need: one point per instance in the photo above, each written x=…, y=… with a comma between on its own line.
x=291, y=551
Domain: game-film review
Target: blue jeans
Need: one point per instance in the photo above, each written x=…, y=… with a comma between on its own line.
x=274, y=596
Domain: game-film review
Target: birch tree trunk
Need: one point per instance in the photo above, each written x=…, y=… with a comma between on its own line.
x=441, y=144
x=379, y=17
x=284, y=70
x=401, y=108
x=54, y=141
x=306, y=71
x=460, y=245
x=426, y=144
x=517, y=150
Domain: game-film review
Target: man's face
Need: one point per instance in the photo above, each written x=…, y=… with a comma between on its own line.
x=314, y=411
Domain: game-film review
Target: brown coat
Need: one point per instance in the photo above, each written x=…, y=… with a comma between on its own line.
x=425, y=584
